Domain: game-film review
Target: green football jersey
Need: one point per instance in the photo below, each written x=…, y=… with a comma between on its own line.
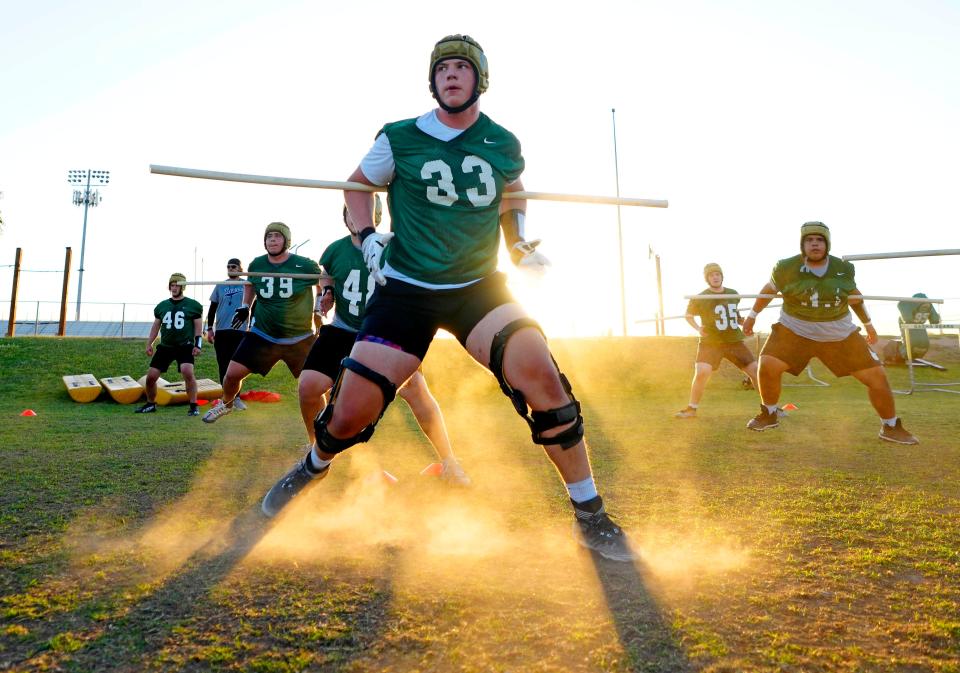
x=176, y=320
x=718, y=316
x=353, y=284
x=444, y=200
x=807, y=296
x=284, y=305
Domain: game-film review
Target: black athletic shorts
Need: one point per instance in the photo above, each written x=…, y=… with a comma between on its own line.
x=407, y=317
x=841, y=357
x=332, y=345
x=164, y=355
x=259, y=355
x=736, y=352
x=225, y=342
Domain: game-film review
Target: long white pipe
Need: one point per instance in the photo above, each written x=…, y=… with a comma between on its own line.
x=865, y=297
x=360, y=187
x=898, y=255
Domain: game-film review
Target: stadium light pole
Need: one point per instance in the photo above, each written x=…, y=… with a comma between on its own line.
x=86, y=198
x=616, y=170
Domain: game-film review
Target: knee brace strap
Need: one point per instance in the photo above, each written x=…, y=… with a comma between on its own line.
x=537, y=420
x=497, y=349
x=328, y=442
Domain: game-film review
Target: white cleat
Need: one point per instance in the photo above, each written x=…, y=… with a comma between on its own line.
x=218, y=410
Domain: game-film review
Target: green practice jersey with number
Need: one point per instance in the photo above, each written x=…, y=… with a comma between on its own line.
x=284, y=305
x=353, y=284
x=444, y=200
x=718, y=316
x=810, y=297
x=176, y=320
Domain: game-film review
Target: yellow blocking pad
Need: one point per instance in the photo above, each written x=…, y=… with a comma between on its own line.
x=122, y=389
x=176, y=393
x=82, y=387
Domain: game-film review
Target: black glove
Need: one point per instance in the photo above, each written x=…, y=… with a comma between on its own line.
x=240, y=317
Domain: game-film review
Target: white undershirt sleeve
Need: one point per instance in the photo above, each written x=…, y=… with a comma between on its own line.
x=378, y=166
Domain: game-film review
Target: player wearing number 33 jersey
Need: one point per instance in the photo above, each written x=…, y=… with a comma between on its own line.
x=449, y=176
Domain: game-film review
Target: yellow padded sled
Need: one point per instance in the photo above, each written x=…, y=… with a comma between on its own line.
x=176, y=393
x=82, y=387
x=122, y=389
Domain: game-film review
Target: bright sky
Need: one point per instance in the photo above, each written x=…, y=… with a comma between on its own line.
x=751, y=117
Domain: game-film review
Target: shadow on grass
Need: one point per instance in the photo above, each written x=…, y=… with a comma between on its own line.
x=172, y=626
x=647, y=639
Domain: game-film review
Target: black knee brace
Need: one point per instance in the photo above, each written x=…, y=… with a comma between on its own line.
x=539, y=421
x=327, y=442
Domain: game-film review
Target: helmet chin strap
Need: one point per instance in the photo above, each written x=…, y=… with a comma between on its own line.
x=459, y=108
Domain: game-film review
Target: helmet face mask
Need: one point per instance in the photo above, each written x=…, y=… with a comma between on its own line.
x=280, y=228
x=468, y=49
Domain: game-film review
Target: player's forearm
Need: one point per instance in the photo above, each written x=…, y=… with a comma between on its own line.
x=248, y=293
x=360, y=204
x=761, y=303
x=154, y=332
x=692, y=323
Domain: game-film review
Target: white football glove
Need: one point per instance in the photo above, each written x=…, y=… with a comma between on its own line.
x=526, y=257
x=372, y=248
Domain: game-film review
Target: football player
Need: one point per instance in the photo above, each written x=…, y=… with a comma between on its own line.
x=347, y=284
x=815, y=322
x=449, y=175
x=720, y=336
x=179, y=322
x=281, y=324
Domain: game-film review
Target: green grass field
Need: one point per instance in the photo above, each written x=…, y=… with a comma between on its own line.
x=134, y=543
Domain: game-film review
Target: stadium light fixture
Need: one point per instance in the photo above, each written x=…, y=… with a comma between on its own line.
x=86, y=197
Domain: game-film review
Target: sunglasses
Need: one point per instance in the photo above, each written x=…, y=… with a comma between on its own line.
x=232, y=266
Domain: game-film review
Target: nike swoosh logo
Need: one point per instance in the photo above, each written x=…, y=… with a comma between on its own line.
x=489, y=142
x=841, y=274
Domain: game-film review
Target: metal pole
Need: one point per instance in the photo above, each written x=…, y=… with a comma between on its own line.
x=12, y=323
x=663, y=327
x=616, y=170
x=123, y=319
x=36, y=321
x=83, y=242
x=62, y=329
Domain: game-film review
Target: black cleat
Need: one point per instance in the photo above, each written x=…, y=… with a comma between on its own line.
x=147, y=408
x=764, y=420
x=599, y=532
x=290, y=486
x=194, y=410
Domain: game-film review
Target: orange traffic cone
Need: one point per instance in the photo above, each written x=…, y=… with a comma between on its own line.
x=432, y=470
x=28, y=412
x=790, y=406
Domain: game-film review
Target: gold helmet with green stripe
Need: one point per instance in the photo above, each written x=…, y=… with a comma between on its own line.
x=465, y=47
x=281, y=229
x=177, y=278
x=809, y=228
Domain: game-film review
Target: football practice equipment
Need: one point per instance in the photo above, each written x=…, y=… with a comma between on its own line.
x=281, y=229
x=465, y=47
x=240, y=317
x=177, y=278
x=539, y=421
x=808, y=228
x=327, y=442
x=372, y=247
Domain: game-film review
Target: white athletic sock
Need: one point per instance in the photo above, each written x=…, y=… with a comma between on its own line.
x=889, y=421
x=692, y=405
x=582, y=491
x=771, y=408
x=315, y=462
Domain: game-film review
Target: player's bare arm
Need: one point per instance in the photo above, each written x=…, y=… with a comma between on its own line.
x=759, y=304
